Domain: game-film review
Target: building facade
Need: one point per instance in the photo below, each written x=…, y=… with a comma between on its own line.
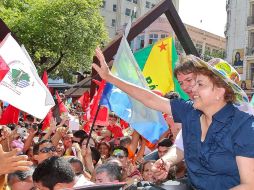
x=207, y=44
x=118, y=12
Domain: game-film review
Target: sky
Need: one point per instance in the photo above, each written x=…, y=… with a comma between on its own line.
x=209, y=15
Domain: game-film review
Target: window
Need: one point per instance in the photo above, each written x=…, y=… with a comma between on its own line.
x=148, y=4
x=164, y=35
x=113, y=22
x=153, y=38
x=127, y=12
x=134, y=14
x=114, y=7
x=135, y=1
x=140, y=42
x=103, y=4
x=129, y=0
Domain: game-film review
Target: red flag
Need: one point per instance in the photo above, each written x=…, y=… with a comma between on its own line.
x=62, y=108
x=45, y=79
x=102, y=117
x=10, y=115
x=46, y=122
x=47, y=119
x=4, y=68
x=96, y=99
x=84, y=100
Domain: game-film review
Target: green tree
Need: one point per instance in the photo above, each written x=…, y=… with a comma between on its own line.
x=60, y=35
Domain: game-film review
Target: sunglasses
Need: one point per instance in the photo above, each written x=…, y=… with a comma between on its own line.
x=48, y=149
x=118, y=156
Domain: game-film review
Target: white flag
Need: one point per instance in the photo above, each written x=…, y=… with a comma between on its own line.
x=22, y=86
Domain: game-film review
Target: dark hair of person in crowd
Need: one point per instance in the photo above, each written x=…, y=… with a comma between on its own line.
x=37, y=146
x=184, y=67
x=76, y=160
x=125, y=141
x=20, y=176
x=111, y=114
x=172, y=95
x=80, y=134
x=165, y=142
x=30, y=118
x=112, y=169
x=125, y=150
x=52, y=171
x=96, y=156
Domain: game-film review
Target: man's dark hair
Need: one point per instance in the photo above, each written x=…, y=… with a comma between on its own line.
x=30, y=118
x=36, y=146
x=124, y=141
x=96, y=156
x=80, y=134
x=165, y=142
x=113, y=171
x=76, y=160
x=52, y=171
x=184, y=67
x=20, y=175
x=172, y=95
x=125, y=150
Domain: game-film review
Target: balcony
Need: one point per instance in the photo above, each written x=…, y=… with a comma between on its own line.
x=250, y=20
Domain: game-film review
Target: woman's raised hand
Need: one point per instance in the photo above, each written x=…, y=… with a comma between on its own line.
x=101, y=69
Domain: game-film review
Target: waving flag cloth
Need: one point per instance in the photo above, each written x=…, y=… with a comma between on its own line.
x=49, y=116
x=4, y=68
x=61, y=106
x=157, y=63
x=21, y=86
x=10, y=115
x=147, y=122
x=84, y=100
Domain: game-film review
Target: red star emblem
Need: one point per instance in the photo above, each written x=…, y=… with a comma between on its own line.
x=163, y=46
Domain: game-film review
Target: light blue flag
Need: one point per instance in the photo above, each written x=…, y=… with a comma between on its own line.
x=147, y=122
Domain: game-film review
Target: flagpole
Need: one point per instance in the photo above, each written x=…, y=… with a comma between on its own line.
x=79, y=86
x=91, y=129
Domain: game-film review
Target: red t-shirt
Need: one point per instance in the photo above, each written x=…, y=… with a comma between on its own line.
x=115, y=130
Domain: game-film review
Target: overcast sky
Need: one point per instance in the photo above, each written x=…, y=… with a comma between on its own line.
x=209, y=15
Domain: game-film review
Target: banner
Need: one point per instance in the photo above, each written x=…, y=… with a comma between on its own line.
x=21, y=86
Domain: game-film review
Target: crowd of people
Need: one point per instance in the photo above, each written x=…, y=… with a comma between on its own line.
x=208, y=144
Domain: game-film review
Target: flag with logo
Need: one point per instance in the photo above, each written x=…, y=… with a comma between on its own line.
x=147, y=122
x=21, y=86
x=157, y=63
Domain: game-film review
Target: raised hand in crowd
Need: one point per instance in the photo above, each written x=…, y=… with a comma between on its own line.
x=59, y=134
x=5, y=132
x=87, y=158
x=52, y=128
x=161, y=169
x=29, y=140
x=11, y=161
x=6, y=137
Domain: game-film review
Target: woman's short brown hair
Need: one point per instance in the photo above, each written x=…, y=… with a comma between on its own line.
x=229, y=95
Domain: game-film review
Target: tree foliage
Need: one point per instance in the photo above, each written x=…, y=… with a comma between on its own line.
x=60, y=35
